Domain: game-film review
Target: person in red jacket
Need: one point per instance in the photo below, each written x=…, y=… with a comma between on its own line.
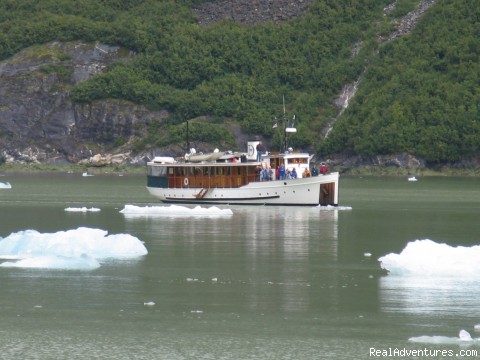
x=323, y=169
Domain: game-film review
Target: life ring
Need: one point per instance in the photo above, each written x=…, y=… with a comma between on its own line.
x=185, y=181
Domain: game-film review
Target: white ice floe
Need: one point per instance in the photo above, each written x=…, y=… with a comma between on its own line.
x=428, y=258
x=412, y=178
x=6, y=185
x=174, y=210
x=78, y=249
x=86, y=174
x=82, y=209
x=331, y=207
x=463, y=337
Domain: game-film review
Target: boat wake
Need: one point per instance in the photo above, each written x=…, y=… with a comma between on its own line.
x=77, y=249
x=174, y=211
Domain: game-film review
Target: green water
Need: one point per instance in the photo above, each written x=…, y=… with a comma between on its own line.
x=264, y=283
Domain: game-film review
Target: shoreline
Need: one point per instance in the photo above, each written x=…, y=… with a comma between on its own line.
x=141, y=170
x=73, y=168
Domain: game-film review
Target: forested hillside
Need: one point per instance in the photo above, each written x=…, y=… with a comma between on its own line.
x=417, y=94
x=421, y=93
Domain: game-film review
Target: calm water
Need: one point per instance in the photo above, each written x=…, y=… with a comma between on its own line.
x=264, y=283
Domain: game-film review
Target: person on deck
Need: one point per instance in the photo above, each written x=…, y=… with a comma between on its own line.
x=260, y=151
x=264, y=174
x=315, y=170
x=306, y=173
x=323, y=169
x=281, y=172
x=293, y=174
x=270, y=173
x=258, y=173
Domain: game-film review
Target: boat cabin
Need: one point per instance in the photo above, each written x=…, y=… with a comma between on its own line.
x=202, y=175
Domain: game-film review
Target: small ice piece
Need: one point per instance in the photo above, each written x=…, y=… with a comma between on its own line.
x=477, y=327
x=464, y=335
x=174, y=211
x=412, y=178
x=82, y=209
x=149, y=303
x=6, y=185
x=367, y=254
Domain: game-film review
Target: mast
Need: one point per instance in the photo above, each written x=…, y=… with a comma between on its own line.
x=187, y=143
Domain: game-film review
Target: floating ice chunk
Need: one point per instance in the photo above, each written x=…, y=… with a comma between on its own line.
x=173, y=210
x=331, y=207
x=86, y=174
x=367, y=254
x=477, y=327
x=6, y=185
x=149, y=303
x=428, y=258
x=73, y=249
x=82, y=209
x=463, y=336
x=412, y=178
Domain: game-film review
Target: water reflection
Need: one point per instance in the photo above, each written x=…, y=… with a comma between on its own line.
x=424, y=295
x=275, y=257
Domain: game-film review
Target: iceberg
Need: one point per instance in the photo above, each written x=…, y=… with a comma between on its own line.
x=428, y=258
x=174, y=211
x=80, y=248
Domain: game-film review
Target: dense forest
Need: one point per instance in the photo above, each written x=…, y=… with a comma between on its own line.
x=417, y=93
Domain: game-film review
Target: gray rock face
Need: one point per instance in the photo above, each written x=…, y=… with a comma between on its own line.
x=39, y=122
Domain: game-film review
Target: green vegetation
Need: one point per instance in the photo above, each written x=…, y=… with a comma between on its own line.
x=420, y=93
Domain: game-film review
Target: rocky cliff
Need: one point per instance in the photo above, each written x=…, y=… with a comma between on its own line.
x=39, y=122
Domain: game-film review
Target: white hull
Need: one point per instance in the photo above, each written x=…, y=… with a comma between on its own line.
x=303, y=191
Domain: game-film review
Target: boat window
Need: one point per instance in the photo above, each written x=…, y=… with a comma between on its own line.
x=170, y=171
x=190, y=171
x=157, y=170
x=198, y=171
